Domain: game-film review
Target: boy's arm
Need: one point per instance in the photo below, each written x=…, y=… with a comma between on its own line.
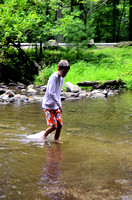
x=60, y=109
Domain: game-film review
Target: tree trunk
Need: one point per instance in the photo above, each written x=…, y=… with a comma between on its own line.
x=130, y=20
x=114, y=20
x=118, y=32
x=115, y=14
x=101, y=84
x=72, y=4
x=98, y=31
x=23, y=61
x=59, y=16
x=41, y=48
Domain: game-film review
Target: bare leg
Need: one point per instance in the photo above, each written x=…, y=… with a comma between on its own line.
x=49, y=130
x=57, y=132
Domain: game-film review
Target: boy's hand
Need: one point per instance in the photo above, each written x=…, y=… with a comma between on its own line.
x=60, y=109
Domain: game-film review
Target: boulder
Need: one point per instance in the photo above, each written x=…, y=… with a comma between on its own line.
x=23, y=91
x=63, y=98
x=35, y=99
x=11, y=93
x=30, y=86
x=2, y=85
x=7, y=92
x=98, y=94
x=69, y=94
x=16, y=98
x=20, y=97
x=32, y=91
x=124, y=44
x=84, y=94
x=71, y=88
x=2, y=91
x=114, y=92
x=94, y=92
x=1, y=100
x=20, y=86
x=52, y=42
x=43, y=88
x=5, y=97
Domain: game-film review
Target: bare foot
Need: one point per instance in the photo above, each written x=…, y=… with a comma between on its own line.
x=58, y=142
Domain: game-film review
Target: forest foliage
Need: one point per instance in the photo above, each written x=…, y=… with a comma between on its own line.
x=66, y=21
x=74, y=21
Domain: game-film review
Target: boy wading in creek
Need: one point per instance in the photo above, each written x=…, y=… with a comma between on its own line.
x=52, y=102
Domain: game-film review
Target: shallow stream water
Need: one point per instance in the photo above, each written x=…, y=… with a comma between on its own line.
x=93, y=163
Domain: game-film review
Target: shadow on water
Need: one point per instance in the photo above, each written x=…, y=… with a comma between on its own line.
x=93, y=163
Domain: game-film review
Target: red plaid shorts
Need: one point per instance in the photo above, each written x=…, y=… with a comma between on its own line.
x=53, y=117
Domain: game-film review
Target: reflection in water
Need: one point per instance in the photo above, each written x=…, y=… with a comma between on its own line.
x=51, y=174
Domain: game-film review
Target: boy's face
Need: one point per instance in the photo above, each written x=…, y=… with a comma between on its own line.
x=63, y=72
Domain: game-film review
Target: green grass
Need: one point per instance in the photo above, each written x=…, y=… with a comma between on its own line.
x=96, y=65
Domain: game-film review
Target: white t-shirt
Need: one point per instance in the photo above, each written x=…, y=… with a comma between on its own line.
x=51, y=99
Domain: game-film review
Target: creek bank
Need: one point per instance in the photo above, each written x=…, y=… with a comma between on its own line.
x=21, y=93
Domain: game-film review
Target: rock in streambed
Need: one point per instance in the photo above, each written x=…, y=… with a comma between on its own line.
x=33, y=93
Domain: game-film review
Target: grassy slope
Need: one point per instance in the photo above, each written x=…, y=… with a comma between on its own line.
x=106, y=64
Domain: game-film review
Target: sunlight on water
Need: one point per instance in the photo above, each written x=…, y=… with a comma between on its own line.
x=93, y=163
